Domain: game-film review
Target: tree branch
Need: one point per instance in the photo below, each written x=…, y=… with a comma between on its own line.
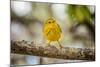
x=29, y=48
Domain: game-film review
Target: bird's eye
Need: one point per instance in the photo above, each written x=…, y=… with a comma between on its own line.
x=49, y=22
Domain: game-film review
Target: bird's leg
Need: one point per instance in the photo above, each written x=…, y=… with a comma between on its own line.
x=60, y=44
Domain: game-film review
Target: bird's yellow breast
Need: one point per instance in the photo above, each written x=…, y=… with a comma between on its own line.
x=52, y=32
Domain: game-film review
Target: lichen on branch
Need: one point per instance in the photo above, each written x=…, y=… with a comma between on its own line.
x=29, y=48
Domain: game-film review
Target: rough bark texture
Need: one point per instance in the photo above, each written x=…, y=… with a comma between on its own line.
x=29, y=48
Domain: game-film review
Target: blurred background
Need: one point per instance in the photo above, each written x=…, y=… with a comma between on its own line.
x=77, y=23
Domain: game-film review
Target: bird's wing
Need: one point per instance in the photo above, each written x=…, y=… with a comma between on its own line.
x=46, y=30
x=59, y=28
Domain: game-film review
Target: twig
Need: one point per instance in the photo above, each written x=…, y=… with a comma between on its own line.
x=23, y=47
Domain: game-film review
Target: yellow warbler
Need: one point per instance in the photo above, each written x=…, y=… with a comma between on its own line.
x=52, y=31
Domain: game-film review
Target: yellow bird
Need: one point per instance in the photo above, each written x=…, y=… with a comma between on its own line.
x=52, y=31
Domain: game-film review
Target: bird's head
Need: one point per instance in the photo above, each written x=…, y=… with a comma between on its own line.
x=50, y=20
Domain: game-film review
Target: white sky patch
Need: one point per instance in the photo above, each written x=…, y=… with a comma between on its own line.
x=92, y=9
x=59, y=11
x=21, y=8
